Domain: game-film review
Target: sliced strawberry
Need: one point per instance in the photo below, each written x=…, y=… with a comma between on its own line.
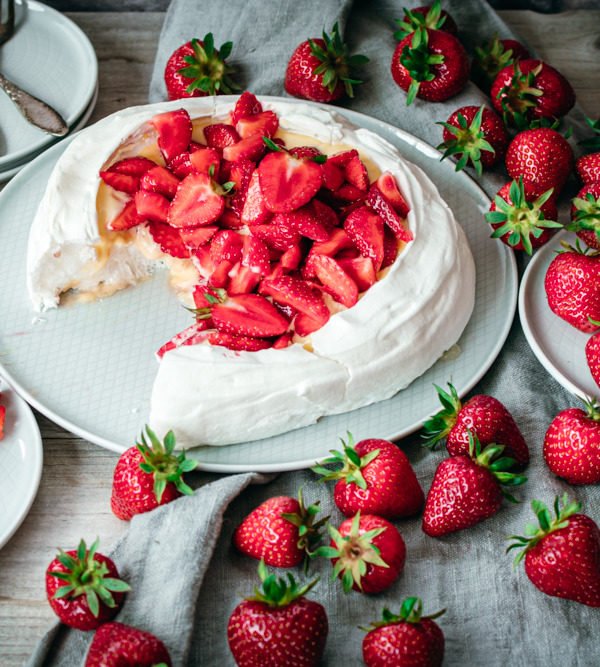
x=288, y=183
x=285, y=340
x=248, y=315
x=297, y=293
x=342, y=159
x=220, y=275
x=174, y=132
x=292, y=258
x=132, y=166
x=389, y=187
x=230, y=220
x=128, y=217
x=325, y=214
x=194, y=334
x=365, y=228
x=242, y=279
x=195, y=237
x=220, y=135
x=305, y=325
x=333, y=176
x=151, y=206
x=338, y=240
x=181, y=165
x=2, y=418
x=195, y=203
x=168, y=239
x=255, y=211
x=226, y=244
x=255, y=256
x=335, y=280
x=238, y=343
x=360, y=269
x=390, y=247
x=305, y=152
x=264, y=123
x=252, y=148
x=277, y=237
x=121, y=182
x=203, y=159
x=356, y=174
x=240, y=174
x=304, y=221
x=203, y=263
x=246, y=105
x=160, y=179
x=388, y=214
x=350, y=193
x=199, y=293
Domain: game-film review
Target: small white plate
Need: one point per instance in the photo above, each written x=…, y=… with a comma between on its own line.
x=50, y=57
x=20, y=462
x=559, y=347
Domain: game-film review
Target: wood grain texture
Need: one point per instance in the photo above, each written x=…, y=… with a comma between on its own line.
x=73, y=499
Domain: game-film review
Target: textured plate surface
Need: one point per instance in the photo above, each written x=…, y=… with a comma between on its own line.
x=51, y=58
x=559, y=347
x=20, y=462
x=90, y=367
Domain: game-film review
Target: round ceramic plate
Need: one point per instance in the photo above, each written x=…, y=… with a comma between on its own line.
x=90, y=367
x=51, y=58
x=20, y=462
x=559, y=347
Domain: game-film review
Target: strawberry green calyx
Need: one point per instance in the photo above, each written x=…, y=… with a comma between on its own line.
x=412, y=21
x=490, y=58
x=592, y=407
x=520, y=219
x=207, y=67
x=592, y=143
x=411, y=611
x=308, y=530
x=278, y=592
x=546, y=524
x=468, y=142
x=353, y=552
x=438, y=426
x=419, y=62
x=587, y=214
x=519, y=96
x=86, y=576
x=336, y=62
x=160, y=461
x=351, y=462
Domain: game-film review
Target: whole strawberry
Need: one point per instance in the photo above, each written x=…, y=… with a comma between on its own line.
x=475, y=136
x=280, y=531
x=467, y=489
x=482, y=415
x=588, y=166
x=407, y=638
x=197, y=69
x=522, y=216
x=540, y=156
x=430, y=64
x=531, y=90
x=592, y=354
x=562, y=555
x=367, y=553
x=119, y=645
x=149, y=474
x=572, y=444
x=375, y=478
x=83, y=587
x=585, y=215
x=428, y=16
x=492, y=56
x=278, y=626
x=572, y=285
x=320, y=69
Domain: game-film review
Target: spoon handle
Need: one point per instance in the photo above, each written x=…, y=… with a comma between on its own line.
x=35, y=111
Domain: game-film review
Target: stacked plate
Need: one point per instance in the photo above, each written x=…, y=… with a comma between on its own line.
x=51, y=58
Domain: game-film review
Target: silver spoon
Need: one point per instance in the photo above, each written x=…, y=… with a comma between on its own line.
x=35, y=111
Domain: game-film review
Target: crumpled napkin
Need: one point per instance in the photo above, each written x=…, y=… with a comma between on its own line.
x=494, y=614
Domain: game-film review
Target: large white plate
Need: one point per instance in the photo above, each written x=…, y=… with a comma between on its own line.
x=90, y=367
x=559, y=347
x=20, y=462
x=50, y=57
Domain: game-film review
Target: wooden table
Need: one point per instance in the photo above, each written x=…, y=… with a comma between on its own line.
x=74, y=495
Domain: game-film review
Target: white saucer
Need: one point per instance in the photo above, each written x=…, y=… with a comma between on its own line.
x=20, y=462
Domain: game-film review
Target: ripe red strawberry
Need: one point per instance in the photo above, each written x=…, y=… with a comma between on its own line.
x=298, y=294
x=531, y=90
x=562, y=556
x=430, y=64
x=127, y=218
x=197, y=69
x=572, y=444
x=466, y=489
x=407, y=638
x=572, y=285
x=592, y=355
x=523, y=217
x=428, y=16
x=388, y=213
x=585, y=215
x=125, y=174
x=192, y=335
x=476, y=136
x=492, y=56
x=388, y=186
x=588, y=167
x=238, y=343
x=169, y=239
x=174, y=130
x=367, y=553
x=151, y=206
x=198, y=201
x=278, y=626
x=482, y=415
x=281, y=531
x=83, y=587
x=375, y=478
x=264, y=123
x=335, y=280
x=365, y=228
x=2, y=420
x=160, y=179
x=542, y=157
x=319, y=69
x=246, y=105
x=119, y=645
x=148, y=475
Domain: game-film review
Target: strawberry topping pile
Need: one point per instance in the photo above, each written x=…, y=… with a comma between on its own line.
x=280, y=237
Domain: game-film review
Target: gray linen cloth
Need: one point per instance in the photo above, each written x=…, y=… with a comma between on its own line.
x=494, y=614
